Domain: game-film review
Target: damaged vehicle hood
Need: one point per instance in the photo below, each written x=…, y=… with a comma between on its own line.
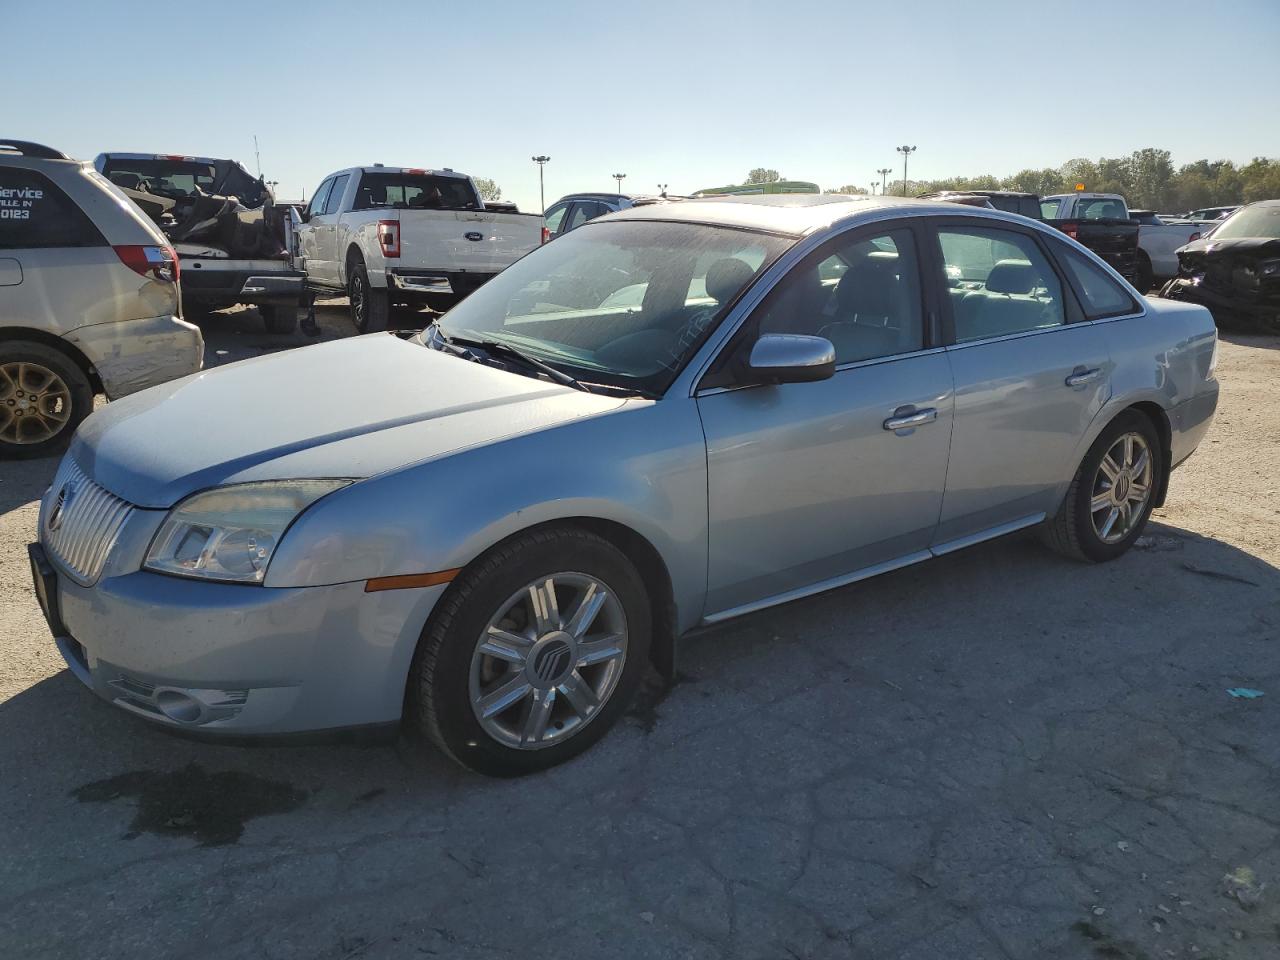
x=348, y=408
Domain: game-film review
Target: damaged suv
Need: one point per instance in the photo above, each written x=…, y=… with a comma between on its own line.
x=88, y=299
x=225, y=225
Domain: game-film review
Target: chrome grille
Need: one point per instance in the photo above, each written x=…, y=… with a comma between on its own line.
x=80, y=522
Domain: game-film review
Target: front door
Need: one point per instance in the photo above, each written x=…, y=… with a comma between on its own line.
x=810, y=483
x=1028, y=382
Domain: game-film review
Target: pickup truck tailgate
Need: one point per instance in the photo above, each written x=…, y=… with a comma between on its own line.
x=472, y=241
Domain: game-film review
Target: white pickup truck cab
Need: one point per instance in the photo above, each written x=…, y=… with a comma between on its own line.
x=1157, y=240
x=385, y=235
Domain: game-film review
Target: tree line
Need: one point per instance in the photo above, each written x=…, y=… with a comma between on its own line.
x=1146, y=178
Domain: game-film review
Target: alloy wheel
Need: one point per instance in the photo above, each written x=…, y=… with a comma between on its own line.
x=1121, y=488
x=35, y=403
x=548, y=660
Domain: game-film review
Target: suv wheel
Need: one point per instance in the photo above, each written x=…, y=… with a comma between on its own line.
x=1112, y=494
x=533, y=654
x=43, y=397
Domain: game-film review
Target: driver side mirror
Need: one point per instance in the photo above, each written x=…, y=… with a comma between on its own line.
x=791, y=358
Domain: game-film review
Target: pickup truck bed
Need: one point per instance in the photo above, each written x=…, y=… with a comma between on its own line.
x=1115, y=241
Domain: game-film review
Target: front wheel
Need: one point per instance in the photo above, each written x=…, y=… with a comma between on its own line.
x=533, y=653
x=43, y=397
x=1112, y=494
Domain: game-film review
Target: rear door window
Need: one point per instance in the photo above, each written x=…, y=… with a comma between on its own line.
x=36, y=213
x=1000, y=283
x=1100, y=294
x=554, y=217
x=336, y=192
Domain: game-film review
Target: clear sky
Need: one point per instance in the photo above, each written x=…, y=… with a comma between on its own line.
x=691, y=93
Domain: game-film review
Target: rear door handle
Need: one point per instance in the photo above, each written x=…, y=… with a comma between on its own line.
x=905, y=421
x=1082, y=376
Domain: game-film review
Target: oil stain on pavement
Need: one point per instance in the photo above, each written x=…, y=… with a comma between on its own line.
x=210, y=807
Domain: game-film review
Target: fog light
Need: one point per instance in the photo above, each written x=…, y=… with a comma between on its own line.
x=178, y=706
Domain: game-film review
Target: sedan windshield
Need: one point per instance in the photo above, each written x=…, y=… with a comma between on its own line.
x=1256, y=221
x=622, y=303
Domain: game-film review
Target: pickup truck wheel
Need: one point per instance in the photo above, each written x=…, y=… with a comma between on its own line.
x=533, y=653
x=1143, y=279
x=278, y=319
x=1111, y=495
x=370, y=308
x=43, y=397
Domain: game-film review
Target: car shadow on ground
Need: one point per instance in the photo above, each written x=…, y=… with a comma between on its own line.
x=996, y=750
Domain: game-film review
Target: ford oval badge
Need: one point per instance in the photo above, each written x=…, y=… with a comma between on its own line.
x=473, y=235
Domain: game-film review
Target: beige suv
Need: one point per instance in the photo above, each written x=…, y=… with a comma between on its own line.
x=88, y=299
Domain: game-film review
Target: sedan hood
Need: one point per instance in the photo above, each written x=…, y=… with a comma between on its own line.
x=349, y=408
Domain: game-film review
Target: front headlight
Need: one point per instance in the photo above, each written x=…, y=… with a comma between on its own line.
x=1269, y=268
x=230, y=533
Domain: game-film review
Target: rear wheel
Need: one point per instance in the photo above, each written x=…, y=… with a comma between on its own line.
x=533, y=654
x=43, y=397
x=1112, y=494
x=370, y=307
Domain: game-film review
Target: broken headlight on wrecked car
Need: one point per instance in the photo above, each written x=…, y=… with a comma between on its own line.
x=229, y=533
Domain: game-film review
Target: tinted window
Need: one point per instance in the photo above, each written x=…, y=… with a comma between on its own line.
x=1000, y=283
x=317, y=203
x=1100, y=294
x=335, y=193
x=165, y=178
x=415, y=191
x=36, y=213
x=863, y=295
x=584, y=210
x=554, y=215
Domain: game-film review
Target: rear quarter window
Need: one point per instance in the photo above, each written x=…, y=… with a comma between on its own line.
x=36, y=213
x=1100, y=295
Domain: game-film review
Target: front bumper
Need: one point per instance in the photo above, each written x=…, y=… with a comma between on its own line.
x=131, y=355
x=231, y=661
x=1257, y=305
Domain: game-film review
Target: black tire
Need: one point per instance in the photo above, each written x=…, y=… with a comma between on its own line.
x=370, y=307
x=279, y=319
x=16, y=399
x=1144, y=279
x=439, y=693
x=1071, y=532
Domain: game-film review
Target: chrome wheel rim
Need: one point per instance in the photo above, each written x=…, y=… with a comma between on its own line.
x=35, y=403
x=548, y=661
x=1121, y=488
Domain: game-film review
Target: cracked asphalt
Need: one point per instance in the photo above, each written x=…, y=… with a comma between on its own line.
x=999, y=754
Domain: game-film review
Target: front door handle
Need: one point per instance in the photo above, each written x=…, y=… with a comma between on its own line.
x=905, y=421
x=1082, y=376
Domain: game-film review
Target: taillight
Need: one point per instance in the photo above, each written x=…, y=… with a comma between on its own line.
x=1070, y=229
x=546, y=234
x=389, y=237
x=158, y=263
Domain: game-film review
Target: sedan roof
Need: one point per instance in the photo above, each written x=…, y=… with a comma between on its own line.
x=795, y=213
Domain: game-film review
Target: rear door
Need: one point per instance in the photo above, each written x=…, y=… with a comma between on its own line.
x=1030, y=376
x=57, y=271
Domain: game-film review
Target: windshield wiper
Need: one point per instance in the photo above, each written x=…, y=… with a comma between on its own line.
x=503, y=349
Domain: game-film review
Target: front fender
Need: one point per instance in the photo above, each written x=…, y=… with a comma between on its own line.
x=643, y=466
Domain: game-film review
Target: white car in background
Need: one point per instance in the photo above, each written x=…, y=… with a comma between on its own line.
x=88, y=299
x=385, y=235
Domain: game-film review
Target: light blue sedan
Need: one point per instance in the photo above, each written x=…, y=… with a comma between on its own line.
x=669, y=417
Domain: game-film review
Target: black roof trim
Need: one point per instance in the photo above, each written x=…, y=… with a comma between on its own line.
x=28, y=149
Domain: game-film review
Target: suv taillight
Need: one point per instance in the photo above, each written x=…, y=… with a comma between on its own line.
x=389, y=237
x=546, y=234
x=158, y=263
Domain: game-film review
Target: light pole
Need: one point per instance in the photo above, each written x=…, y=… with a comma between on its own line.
x=619, y=177
x=906, y=152
x=884, y=172
x=662, y=190
x=541, y=161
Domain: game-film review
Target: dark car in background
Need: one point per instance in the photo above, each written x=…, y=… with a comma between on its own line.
x=1010, y=201
x=1235, y=271
x=575, y=209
